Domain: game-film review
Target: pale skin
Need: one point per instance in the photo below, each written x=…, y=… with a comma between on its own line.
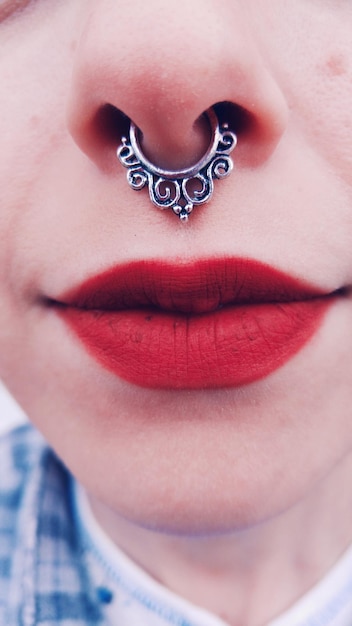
x=235, y=492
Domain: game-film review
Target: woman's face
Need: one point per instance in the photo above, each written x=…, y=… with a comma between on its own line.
x=188, y=458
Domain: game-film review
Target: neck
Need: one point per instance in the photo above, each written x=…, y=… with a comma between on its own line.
x=233, y=575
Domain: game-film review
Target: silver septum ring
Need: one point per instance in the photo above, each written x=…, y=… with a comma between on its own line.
x=179, y=190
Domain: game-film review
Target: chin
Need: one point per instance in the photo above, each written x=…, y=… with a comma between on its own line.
x=204, y=499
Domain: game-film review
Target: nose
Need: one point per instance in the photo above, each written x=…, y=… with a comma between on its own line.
x=162, y=65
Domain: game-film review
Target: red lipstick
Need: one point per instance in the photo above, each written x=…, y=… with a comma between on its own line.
x=201, y=325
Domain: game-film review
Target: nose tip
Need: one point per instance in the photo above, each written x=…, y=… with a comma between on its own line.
x=164, y=79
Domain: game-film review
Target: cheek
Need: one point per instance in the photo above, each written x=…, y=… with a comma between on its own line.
x=312, y=58
x=326, y=110
x=32, y=127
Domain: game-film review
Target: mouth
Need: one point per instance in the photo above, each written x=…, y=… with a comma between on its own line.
x=207, y=324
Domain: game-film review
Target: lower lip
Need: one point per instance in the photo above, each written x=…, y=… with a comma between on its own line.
x=230, y=347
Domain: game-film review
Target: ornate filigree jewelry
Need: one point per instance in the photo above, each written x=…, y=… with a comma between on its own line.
x=179, y=190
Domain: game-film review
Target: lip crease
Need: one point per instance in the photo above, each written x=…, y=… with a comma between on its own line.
x=206, y=324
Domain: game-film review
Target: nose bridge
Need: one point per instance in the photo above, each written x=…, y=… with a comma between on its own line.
x=163, y=64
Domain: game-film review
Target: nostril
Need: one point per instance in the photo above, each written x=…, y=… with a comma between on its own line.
x=256, y=137
x=238, y=119
x=110, y=126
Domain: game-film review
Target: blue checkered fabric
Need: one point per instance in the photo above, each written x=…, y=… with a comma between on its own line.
x=43, y=578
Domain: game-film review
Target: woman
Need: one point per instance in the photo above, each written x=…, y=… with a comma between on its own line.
x=194, y=377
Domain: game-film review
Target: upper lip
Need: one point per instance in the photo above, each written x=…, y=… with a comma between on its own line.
x=194, y=287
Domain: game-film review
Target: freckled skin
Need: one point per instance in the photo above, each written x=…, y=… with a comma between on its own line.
x=337, y=65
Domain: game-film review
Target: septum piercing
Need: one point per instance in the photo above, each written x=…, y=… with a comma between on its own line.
x=179, y=190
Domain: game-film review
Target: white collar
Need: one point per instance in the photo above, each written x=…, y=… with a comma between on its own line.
x=138, y=600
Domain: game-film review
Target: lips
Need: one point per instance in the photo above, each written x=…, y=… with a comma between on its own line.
x=203, y=325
